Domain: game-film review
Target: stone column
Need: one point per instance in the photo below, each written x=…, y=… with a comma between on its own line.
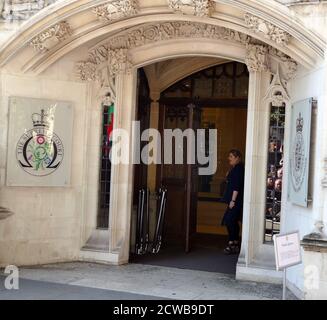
x=255, y=163
x=122, y=173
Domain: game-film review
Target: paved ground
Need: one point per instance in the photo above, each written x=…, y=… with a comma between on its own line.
x=41, y=290
x=134, y=281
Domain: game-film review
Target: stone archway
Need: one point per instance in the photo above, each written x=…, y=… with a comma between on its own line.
x=257, y=57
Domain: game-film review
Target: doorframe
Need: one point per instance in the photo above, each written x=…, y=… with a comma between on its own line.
x=253, y=252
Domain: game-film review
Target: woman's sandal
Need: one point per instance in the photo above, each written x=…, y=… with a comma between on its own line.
x=232, y=248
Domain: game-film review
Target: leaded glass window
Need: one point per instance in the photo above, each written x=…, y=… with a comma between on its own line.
x=274, y=182
x=105, y=168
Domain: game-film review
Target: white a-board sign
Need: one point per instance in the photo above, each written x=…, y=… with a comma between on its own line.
x=287, y=250
x=287, y=253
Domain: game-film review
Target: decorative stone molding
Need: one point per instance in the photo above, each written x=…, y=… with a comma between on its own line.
x=86, y=70
x=107, y=92
x=21, y=9
x=116, y=9
x=316, y=240
x=268, y=30
x=119, y=62
x=111, y=63
x=114, y=52
x=199, y=8
x=256, y=57
x=324, y=180
x=289, y=65
x=277, y=93
x=151, y=34
x=50, y=37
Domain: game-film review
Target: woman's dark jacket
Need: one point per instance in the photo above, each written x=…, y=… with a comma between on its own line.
x=235, y=182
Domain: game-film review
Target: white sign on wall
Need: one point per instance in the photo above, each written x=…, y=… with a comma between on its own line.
x=287, y=250
x=39, y=142
x=300, y=152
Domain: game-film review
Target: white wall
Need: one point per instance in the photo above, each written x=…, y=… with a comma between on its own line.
x=306, y=85
x=47, y=223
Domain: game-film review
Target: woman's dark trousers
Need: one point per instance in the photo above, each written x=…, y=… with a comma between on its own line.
x=232, y=218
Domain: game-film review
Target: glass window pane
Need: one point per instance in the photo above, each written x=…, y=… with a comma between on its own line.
x=274, y=182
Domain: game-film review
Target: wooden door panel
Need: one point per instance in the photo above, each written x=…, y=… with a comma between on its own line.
x=180, y=181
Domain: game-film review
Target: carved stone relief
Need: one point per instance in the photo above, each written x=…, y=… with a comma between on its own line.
x=289, y=65
x=256, y=57
x=277, y=93
x=153, y=33
x=199, y=8
x=268, y=30
x=50, y=37
x=116, y=9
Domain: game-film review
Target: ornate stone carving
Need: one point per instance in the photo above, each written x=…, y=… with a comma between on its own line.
x=268, y=30
x=151, y=34
x=107, y=92
x=86, y=70
x=289, y=65
x=118, y=61
x=21, y=9
x=116, y=9
x=114, y=61
x=277, y=93
x=256, y=57
x=199, y=8
x=50, y=37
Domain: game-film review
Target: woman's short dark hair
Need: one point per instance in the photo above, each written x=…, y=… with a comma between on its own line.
x=236, y=153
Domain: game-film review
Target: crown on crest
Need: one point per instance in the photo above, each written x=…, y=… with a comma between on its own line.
x=43, y=119
x=299, y=123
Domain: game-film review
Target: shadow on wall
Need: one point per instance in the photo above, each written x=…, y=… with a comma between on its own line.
x=5, y=213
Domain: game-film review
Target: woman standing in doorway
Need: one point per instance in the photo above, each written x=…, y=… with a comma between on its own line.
x=234, y=198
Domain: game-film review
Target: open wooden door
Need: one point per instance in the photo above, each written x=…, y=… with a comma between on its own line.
x=179, y=179
x=194, y=120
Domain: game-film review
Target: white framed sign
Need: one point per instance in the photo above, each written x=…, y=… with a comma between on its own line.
x=39, y=142
x=300, y=152
x=287, y=250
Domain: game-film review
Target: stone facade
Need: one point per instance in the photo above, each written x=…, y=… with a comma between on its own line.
x=86, y=53
x=21, y=9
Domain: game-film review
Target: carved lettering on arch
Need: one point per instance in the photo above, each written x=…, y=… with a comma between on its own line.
x=116, y=49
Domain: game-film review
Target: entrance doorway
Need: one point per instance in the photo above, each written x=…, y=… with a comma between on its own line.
x=213, y=98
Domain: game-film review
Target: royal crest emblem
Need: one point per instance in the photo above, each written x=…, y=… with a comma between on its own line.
x=40, y=151
x=298, y=158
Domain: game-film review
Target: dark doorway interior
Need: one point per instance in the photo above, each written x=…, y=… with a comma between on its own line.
x=205, y=255
x=215, y=98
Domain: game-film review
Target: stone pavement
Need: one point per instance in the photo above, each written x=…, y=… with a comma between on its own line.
x=136, y=281
x=41, y=290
